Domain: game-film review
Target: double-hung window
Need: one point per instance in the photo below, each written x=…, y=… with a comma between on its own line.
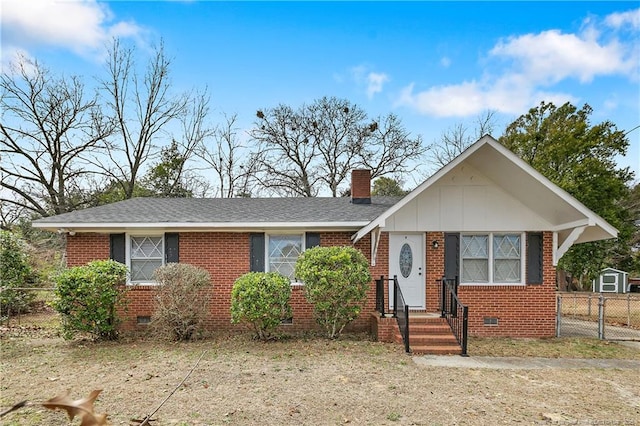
x=475, y=258
x=283, y=251
x=491, y=258
x=507, y=258
x=146, y=254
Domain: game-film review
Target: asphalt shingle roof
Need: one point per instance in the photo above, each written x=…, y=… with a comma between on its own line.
x=226, y=210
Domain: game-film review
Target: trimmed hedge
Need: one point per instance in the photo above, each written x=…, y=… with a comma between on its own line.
x=88, y=297
x=261, y=299
x=336, y=281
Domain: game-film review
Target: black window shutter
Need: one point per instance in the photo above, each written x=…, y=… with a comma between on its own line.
x=256, y=252
x=312, y=239
x=451, y=255
x=117, y=248
x=534, y=258
x=172, y=247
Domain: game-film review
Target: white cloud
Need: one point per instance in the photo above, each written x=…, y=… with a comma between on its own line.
x=619, y=20
x=508, y=96
x=80, y=26
x=529, y=68
x=552, y=56
x=373, y=81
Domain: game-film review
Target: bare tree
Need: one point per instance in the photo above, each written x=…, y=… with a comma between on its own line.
x=313, y=148
x=142, y=106
x=287, y=159
x=335, y=127
x=48, y=125
x=390, y=149
x=234, y=166
x=459, y=137
x=194, y=132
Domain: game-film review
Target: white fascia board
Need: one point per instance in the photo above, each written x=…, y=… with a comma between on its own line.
x=380, y=223
x=225, y=226
x=571, y=225
x=380, y=220
x=593, y=218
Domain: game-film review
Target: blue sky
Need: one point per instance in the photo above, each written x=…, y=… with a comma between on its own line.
x=434, y=64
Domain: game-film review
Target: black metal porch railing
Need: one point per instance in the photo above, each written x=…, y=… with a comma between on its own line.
x=380, y=295
x=400, y=308
x=401, y=313
x=456, y=313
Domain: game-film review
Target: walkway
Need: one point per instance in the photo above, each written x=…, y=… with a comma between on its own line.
x=513, y=363
x=576, y=327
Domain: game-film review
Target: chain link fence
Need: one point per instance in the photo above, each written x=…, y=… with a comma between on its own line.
x=596, y=315
x=27, y=311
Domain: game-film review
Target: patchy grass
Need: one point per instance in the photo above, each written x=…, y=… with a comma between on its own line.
x=311, y=380
x=563, y=347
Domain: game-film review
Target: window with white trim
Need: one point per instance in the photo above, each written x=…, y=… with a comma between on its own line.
x=492, y=258
x=475, y=258
x=146, y=254
x=283, y=251
x=507, y=258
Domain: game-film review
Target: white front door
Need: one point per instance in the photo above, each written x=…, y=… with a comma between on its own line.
x=406, y=261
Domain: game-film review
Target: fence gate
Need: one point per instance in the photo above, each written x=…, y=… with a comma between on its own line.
x=595, y=315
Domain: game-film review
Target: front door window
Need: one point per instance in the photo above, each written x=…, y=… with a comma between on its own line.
x=406, y=260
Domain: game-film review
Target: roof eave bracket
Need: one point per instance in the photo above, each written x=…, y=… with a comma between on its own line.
x=559, y=251
x=375, y=242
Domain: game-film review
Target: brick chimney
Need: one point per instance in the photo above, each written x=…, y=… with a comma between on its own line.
x=361, y=186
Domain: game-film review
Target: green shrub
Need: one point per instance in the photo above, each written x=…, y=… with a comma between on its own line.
x=15, y=272
x=88, y=298
x=261, y=299
x=181, y=301
x=336, y=281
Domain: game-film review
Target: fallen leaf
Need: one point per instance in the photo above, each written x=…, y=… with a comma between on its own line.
x=82, y=408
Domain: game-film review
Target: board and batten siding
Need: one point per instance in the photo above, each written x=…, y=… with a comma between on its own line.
x=465, y=201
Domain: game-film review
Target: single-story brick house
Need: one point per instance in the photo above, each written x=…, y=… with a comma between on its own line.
x=487, y=218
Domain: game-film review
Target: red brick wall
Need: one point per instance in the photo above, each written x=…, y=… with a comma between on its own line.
x=225, y=256
x=522, y=311
x=83, y=248
x=435, y=270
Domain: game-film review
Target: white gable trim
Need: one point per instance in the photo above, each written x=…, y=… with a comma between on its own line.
x=614, y=270
x=590, y=219
x=380, y=220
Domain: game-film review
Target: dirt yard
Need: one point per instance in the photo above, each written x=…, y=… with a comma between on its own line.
x=300, y=381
